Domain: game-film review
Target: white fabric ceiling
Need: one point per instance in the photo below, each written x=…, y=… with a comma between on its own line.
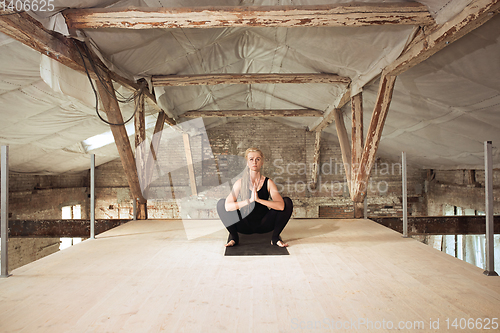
x=442, y=110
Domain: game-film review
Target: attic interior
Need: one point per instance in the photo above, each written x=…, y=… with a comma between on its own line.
x=332, y=92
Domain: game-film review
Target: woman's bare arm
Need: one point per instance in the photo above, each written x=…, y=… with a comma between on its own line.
x=231, y=200
x=276, y=203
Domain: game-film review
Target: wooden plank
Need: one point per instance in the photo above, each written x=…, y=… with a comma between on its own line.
x=60, y=228
x=439, y=225
x=112, y=109
x=315, y=165
x=189, y=161
x=351, y=14
x=253, y=113
x=328, y=115
x=25, y=29
x=357, y=145
x=384, y=97
x=473, y=16
x=133, y=279
x=213, y=79
x=345, y=147
x=139, y=125
x=140, y=137
x=357, y=132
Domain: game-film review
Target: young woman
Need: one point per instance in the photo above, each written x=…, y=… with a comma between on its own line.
x=261, y=208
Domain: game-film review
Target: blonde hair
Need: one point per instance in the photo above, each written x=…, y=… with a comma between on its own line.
x=245, y=179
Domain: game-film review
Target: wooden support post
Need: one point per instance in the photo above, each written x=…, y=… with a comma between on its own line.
x=357, y=146
x=189, y=160
x=140, y=137
x=344, y=144
x=110, y=104
x=315, y=165
x=373, y=136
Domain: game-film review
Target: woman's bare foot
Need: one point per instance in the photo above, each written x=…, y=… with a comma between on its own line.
x=280, y=243
x=231, y=243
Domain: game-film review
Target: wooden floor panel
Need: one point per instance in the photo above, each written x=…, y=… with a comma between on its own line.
x=146, y=276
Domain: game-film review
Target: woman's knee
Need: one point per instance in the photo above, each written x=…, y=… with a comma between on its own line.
x=221, y=206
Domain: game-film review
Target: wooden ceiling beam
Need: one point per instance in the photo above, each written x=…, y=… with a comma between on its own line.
x=332, y=15
x=214, y=79
x=373, y=136
x=438, y=37
x=25, y=29
x=329, y=116
x=253, y=113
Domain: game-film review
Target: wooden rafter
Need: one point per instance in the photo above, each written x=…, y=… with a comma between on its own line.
x=373, y=135
x=112, y=109
x=348, y=14
x=329, y=114
x=25, y=29
x=357, y=145
x=473, y=16
x=213, y=79
x=357, y=132
x=315, y=165
x=253, y=113
x=140, y=156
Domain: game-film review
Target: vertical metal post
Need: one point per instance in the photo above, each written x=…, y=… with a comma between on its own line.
x=488, y=177
x=405, y=202
x=134, y=204
x=365, y=208
x=92, y=196
x=4, y=233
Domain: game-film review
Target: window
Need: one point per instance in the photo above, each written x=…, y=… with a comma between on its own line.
x=70, y=213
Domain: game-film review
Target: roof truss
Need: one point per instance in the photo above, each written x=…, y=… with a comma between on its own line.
x=214, y=79
x=253, y=113
x=349, y=14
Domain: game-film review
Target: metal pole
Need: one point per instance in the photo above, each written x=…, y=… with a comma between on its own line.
x=488, y=177
x=365, y=208
x=405, y=202
x=92, y=196
x=134, y=205
x=4, y=234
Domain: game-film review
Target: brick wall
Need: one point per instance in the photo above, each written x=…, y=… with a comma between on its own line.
x=451, y=187
x=288, y=152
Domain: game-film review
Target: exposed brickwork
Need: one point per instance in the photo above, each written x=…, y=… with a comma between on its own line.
x=451, y=187
x=289, y=156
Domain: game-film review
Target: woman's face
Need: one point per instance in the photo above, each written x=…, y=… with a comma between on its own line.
x=254, y=161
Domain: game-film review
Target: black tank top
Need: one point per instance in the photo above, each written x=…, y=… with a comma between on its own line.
x=260, y=210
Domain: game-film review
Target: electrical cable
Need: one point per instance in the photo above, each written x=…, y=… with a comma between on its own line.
x=136, y=94
x=124, y=100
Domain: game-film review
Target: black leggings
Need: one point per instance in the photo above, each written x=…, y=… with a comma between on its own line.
x=274, y=220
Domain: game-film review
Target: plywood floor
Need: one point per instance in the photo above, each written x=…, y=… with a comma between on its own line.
x=151, y=276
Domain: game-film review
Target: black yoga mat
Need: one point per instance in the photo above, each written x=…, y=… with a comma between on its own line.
x=256, y=245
